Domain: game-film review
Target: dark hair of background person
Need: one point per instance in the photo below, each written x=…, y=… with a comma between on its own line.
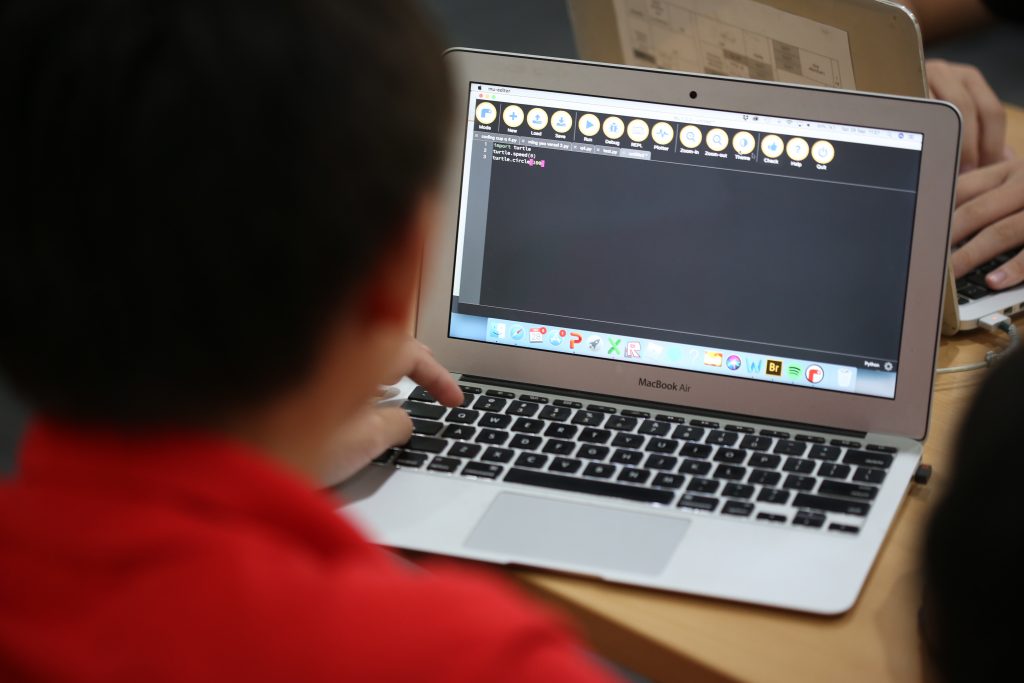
x=191, y=189
x=974, y=598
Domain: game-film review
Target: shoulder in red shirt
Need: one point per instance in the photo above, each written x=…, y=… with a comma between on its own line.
x=190, y=558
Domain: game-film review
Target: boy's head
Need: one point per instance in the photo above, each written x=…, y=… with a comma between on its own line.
x=195, y=195
x=972, y=571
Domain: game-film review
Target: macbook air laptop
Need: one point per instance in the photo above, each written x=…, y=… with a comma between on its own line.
x=695, y=319
x=871, y=45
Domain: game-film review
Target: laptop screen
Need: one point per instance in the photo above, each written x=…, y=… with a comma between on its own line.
x=731, y=243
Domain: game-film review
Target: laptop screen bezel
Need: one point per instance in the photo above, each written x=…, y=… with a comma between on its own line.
x=906, y=414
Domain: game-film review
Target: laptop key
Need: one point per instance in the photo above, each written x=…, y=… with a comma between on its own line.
x=737, y=508
x=731, y=472
x=425, y=410
x=621, y=423
x=463, y=416
x=592, y=452
x=662, y=462
x=387, y=456
x=634, y=475
x=765, y=461
x=774, y=433
x=467, y=389
x=483, y=470
x=587, y=418
x=642, y=414
x=408, y=459
x=494, y=421
x=720, y=438
x=868, y=459
x=522, y=409
x=565, y=465
x=656, y=445
x=841, y=488
x=599, y=470
x=704, y=423
x=628, y=440
x=733, y=456
x=492, y=436
x=744, y=491
x=699, y=485
x=456, y=431
x=499, y=394
x=844, y=528
x=881, y=449
x=846, y=507
x=426, y=443
x=421, y=394
x=524, y=442
x=799, y=482
x=688, y=433
x=568, y=404
x=654, y=428
x=428, y=427
x=764, y=477
x=845, y=443
x=668, y=481
x=498, y=455
x=811, y=519
x=769, y=517
x=830, y=453
x=869, y=475
x=561, y=431
x=740, y=429
x=601, y=409
x=833, y=471
x=807, y=438
x=490, y=403
x=591, y=435
x=624, y=457
x=675, y=419
x=799, y=465
x=786, y=447
x=443, y=464
x=756, y=443
x=527, y=425
x=696, y=450
x=556, y=413
x=639, y=494
x=777, y=496
x=559, y=447
x=532, y=460
x=695, y=502
x=695, y=467
x=465, y=450
x=532, y=398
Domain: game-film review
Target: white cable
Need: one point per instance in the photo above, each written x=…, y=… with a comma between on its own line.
x=997, y=322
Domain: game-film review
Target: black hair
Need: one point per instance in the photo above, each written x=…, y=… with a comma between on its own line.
x=191, y=190
x=975, y=539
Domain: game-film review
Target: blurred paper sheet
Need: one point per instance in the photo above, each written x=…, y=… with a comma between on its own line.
x=734, y=38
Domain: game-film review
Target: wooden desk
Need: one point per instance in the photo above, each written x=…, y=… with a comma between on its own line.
x=670, y=637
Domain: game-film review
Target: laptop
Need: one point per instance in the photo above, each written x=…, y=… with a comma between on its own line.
x=871, y=45
x=695, y=319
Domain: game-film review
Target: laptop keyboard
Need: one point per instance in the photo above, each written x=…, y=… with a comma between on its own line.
x=972, y=287
x=667, y=459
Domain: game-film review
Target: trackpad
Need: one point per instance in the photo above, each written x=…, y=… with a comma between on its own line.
x=591, y=537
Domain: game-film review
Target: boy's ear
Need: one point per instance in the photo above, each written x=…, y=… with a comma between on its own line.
x=392, y=288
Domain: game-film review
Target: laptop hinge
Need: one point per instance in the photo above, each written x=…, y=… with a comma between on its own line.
x=667, y=407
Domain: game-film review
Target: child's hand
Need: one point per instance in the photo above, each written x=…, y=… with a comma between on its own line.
x=984, y=135
x=374, y=430
x=990, y=212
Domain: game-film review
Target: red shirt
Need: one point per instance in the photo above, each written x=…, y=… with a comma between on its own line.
x=191, y=558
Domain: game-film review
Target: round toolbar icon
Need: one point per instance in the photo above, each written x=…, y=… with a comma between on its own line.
x=690, y=137
x=772, y=146
x=823, y=152
x=662, y=133
x=718, y=139
x=561, y=121
x=613, y=128
x=744, y=143
x=638, y=130
x=513, y=116
x=589, y=125
x=797, y=149
x=486, y=112
x=537, y=118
